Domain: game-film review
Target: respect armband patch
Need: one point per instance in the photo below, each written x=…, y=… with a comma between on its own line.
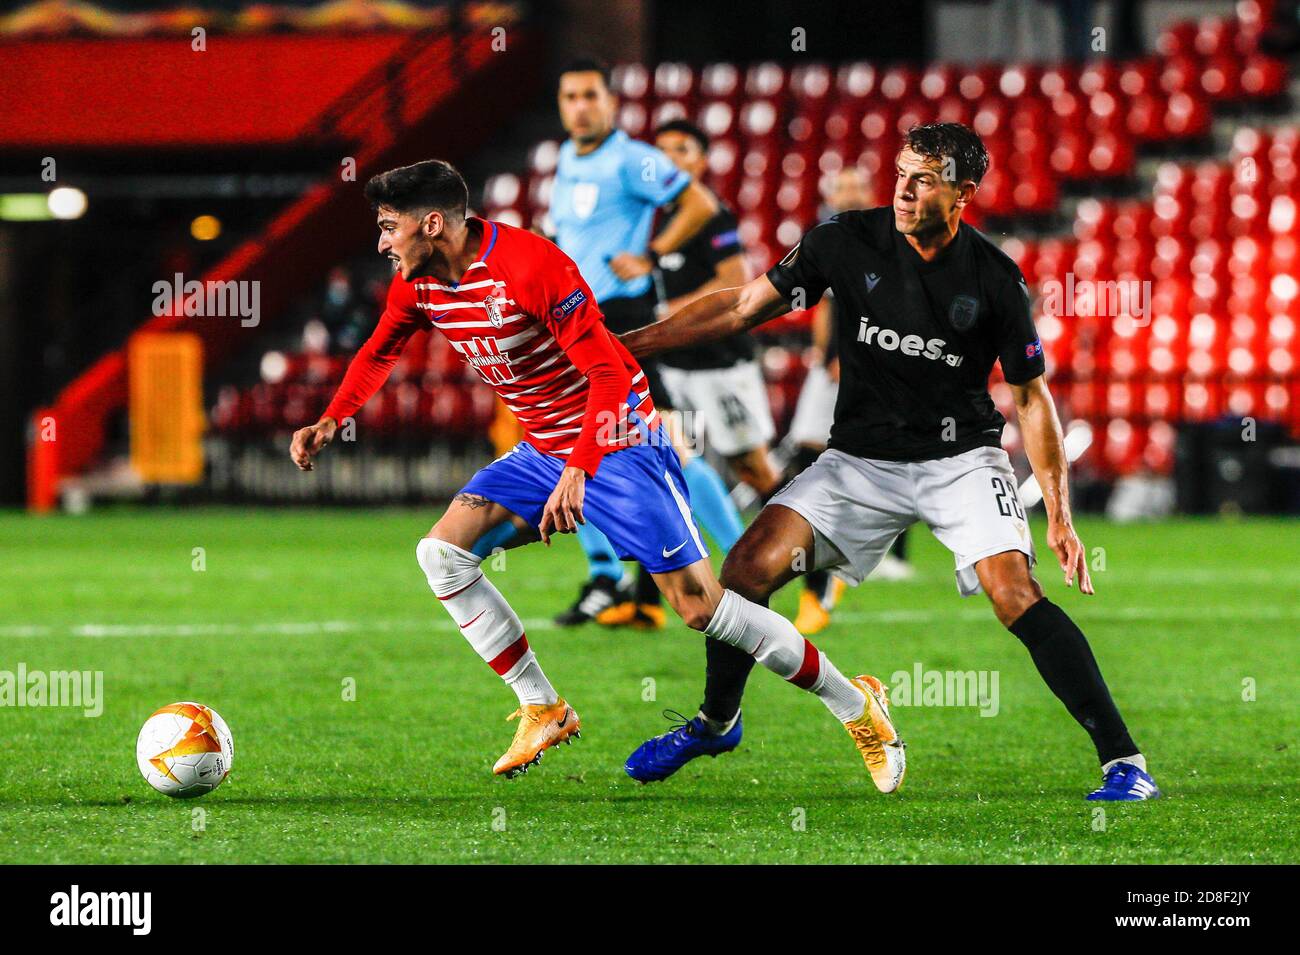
x=571, y=301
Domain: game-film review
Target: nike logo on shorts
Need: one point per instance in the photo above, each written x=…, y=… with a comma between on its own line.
x=669, y=553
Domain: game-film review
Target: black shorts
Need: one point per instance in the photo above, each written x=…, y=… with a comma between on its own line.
x=630, y=313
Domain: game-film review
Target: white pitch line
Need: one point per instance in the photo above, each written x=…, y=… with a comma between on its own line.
x=541, y=624
x=1098, y=614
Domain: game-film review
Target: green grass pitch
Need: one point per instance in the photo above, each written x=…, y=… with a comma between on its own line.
x=1195, y=626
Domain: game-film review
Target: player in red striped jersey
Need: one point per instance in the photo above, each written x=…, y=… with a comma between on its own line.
x=517, y=310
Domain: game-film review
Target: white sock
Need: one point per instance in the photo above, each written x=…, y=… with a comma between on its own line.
x=845, y=701
x=492, y=628
x=718, y=727
x=1137, y=759
x=773, y=641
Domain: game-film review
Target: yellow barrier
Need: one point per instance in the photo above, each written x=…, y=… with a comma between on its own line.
x=166, y=407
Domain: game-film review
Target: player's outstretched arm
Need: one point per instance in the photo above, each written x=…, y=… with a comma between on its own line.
x=1045, y=445
x=731, y=272
x=310, y=441
x=709, y=319
x=366, y=373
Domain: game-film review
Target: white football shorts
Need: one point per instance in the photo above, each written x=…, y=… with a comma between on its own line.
x=731, y=404
x=815, y=410
x=858, y=506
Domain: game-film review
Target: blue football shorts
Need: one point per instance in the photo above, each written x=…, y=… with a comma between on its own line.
x=638, y=499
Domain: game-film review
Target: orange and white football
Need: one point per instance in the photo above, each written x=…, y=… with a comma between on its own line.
x=185, y=750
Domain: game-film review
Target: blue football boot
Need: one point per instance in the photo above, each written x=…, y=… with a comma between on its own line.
x=659, y=758
x=1125, y=782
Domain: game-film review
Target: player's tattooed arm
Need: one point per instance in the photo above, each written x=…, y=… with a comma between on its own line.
x=472, y=501
x=710, y=319
x=1045, y=447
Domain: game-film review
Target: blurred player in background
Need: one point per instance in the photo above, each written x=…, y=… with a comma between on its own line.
x=810, y=429
x=928, y=305
x=716, y=389
x=607, y=190
x=721, y=382
x=517, y=310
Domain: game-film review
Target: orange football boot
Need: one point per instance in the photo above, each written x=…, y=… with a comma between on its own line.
x=634, y=615
x=882, y=749
x=541, y=726
x=814, y=613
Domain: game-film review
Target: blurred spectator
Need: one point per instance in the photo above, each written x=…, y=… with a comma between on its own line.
x=1077, y=24
x=1282, y=38
x=338, y=299
x=1126, y=30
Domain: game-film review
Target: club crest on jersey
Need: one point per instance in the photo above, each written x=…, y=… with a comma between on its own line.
x=585, y=196
x=493, y=307
x=963, y=312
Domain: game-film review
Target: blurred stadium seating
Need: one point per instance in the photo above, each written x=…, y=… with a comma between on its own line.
x=1104, y=171
x=413, y=87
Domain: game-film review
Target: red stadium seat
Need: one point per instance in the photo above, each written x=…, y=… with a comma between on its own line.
x=631, y=81
x=720, y=81
x=897, y=83
x=765, y=81
x=938, y=81
x=855, y=81
x=675, y=81
x=1218, y=240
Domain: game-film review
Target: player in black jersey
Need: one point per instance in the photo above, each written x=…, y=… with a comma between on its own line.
x=928, y=305
x=719, y=381
x=810, y=429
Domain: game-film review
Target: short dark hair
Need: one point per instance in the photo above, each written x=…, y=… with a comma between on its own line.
x=586, y=64
x=686, y=128
x=420, y=188
x=951, y=141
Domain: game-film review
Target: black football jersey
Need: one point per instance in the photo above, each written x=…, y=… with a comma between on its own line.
x=690, y=267
x=916, y=340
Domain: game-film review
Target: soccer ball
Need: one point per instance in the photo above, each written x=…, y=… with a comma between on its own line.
x=185, y=750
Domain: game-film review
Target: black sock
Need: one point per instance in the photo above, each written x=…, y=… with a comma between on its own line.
x=726, y=670
x=600, y=564
x=1065, y=661
x=899, y=549
x=646, y=590
x=818, y=581
x=727, y=667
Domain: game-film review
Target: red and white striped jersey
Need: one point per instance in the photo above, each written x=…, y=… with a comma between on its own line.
x=525, y=320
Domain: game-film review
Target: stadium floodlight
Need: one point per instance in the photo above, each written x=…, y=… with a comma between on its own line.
x=67, y=202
